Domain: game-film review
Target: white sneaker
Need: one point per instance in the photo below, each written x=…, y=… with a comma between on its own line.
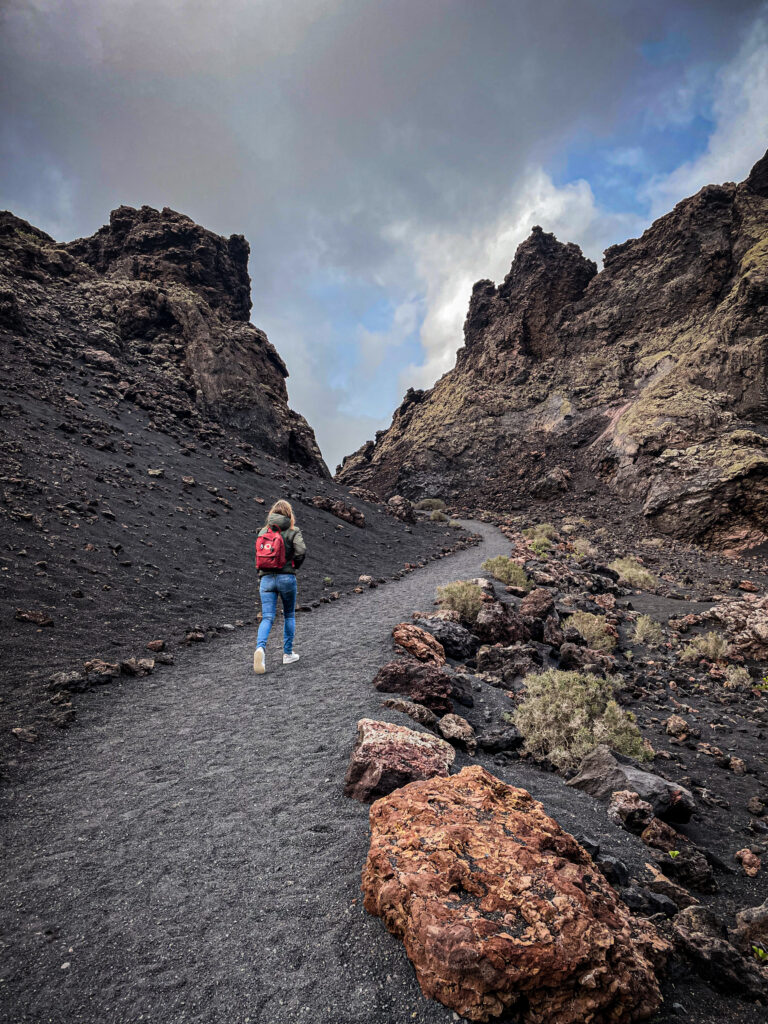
x=288, y=659
x=259, y=661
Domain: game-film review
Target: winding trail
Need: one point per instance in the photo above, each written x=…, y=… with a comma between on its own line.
x=185, y=853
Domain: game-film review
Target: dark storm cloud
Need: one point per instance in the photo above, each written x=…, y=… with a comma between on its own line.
x=313, y=127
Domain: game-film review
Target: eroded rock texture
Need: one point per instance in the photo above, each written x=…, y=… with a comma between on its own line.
x=387, y=756
x=159, y=307
x=649, y=376
x=499, y=908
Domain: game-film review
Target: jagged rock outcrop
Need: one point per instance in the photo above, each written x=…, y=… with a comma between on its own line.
x=650, y=376
x=160, y=306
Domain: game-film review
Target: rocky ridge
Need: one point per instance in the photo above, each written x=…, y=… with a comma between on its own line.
x=648, y=376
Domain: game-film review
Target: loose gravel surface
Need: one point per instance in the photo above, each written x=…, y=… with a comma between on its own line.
x=185, y=854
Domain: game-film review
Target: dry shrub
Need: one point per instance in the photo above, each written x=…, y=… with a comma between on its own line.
x=509, y=572
x=565, y=715
x=430, y=504
x=463, y=597
x=584, y=548
x=633, y=574
x=594, y=630
x=648, y=631
x=541, y=531
x=712, y=646
x=438, y=517
x=737, y=678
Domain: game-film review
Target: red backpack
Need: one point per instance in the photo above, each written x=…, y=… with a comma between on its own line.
x=270, y=549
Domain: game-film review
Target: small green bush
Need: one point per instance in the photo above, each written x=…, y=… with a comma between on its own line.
x=545, y=530
x=430, y=504
x=463, y=597
x=593, y=629
x=540, y=547
x=711, y=646
x=455, y=524
x=565, y=715
x=509, y=572
x=438, y=517
x=633, y=574
x=328, y=581
x=648, y=631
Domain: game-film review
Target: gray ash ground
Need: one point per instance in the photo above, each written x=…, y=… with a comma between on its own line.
x=185, y=854
x=116, y=557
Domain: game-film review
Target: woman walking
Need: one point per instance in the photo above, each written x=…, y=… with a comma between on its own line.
x=280, y=550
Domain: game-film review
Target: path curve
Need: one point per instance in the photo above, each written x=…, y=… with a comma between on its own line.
x=185, y=855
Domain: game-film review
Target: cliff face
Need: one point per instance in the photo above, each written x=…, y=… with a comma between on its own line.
x=160, y=305
x=649, y=377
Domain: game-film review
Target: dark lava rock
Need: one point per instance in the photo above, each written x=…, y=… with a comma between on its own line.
x=509, y=663
x=503, y=738
x=703, y=939
x=458, y=642
x=603, y=771
x=427, y=684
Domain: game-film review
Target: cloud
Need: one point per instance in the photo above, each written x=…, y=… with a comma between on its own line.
x=740, y=134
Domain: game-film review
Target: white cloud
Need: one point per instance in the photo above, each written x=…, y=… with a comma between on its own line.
x=740, y=136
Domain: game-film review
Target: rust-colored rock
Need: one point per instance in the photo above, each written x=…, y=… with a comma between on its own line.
x=419, y=643
x=458, y=730
x=387, y=756
x=749, y=861
x=340, y=509
x=499, y=908
x=539, y=603
x=626, y=808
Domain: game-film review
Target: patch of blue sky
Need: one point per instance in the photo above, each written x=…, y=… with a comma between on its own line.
x=672, y=48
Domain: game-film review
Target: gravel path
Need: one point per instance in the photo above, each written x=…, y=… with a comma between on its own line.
x=186, y=855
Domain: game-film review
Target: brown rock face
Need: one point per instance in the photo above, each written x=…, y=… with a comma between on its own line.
x=425, y=684
x=386, y=757
x=499, y=908
x=159, y=306
x=648, y=376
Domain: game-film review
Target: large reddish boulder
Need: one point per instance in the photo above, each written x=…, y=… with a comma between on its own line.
x=387, y=756
x=419, y=643
x=499, y=908
x=427, y=684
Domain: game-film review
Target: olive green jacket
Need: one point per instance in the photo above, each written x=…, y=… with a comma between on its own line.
x=295, y=548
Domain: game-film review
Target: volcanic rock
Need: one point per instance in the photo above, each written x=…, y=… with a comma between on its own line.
x=418, y=712
x=500, y=623
x=418, y=643
x=704, y=940
x=499, y=908
x=604, y=771
x=539, y=603
x=457, y=730
x=386, y=757
x=457, y=641
x=340, y=509
x=628, y=810
x=570, y=377
x=426, y=684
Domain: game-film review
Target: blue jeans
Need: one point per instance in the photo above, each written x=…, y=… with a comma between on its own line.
x=284, y=584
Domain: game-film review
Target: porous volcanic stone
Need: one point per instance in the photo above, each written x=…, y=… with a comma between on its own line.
x=704, y=940
x=419, y=643
x=457, y=641
x=498, y=907
x=387, y=756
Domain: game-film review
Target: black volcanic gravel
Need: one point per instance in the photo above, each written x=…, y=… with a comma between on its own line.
x=184, y=854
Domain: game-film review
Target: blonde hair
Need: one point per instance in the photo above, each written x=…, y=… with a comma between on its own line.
x=283, y=508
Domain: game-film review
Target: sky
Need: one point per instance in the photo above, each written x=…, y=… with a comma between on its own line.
x=379, y=155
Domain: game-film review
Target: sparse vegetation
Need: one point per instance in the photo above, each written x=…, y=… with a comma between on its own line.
x=584, y=548
x=594, y=630
x=438, y=517
x=737, y=678
x=455, y=524
x=463, y=597
x=545, y=530
x=634, y=574
x=565, y=715
x=507, y=571
x=711, y=646
x=328, y=581
x=430, y=504
x=540, y=547
x=648, y=631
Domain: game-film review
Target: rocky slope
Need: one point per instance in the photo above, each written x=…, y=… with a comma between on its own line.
x=649, y=376
x=144, y=431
